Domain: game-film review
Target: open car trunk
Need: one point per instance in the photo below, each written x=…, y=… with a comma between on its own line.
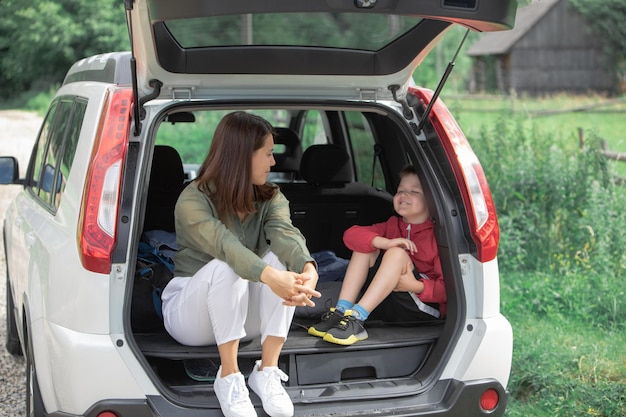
x=398, y=359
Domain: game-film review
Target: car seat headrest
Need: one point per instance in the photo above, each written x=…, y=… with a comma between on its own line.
x=289, y=159
x=167, y=168
x=326, y=165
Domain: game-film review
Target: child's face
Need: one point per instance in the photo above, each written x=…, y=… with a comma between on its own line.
x=409, y=201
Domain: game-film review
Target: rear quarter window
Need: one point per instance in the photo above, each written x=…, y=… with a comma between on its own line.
x=55, y=150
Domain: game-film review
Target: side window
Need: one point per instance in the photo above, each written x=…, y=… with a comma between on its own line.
x=360, y=134
x=49, y=179
x=40, y=149
x=314, y=130
x=368, y=168
x=55, y=150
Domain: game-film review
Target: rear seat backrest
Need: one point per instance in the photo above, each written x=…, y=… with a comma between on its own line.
x=330, y=201
x=167, y=178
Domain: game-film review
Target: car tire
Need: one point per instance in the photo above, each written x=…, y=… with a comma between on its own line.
x=34, y=403
x=12, y=342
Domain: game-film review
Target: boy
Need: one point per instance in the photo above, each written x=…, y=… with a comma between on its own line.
x=396, y=251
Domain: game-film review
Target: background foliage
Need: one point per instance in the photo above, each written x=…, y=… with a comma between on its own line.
x=562, y=257
x=553, y=201
x=41, y=39
x=607, y=21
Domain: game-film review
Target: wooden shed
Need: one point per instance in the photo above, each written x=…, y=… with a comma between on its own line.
x=551, y=49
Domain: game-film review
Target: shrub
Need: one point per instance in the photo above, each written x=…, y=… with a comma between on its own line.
x=558, y=207
x=40, y=102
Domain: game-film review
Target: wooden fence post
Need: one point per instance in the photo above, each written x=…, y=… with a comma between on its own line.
x=615, y=156
x=581, y=137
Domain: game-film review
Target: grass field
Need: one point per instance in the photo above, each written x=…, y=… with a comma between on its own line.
x=603, y=116
x=569, y=115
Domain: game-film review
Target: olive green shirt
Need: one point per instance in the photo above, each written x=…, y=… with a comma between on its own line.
x=202, y=237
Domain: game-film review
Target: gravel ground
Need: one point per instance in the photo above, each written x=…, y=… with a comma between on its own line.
x=18, y=131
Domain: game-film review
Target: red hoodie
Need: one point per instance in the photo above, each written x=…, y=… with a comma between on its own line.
x=425, y=259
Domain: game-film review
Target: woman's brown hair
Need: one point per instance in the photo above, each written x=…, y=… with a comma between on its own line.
x=227, y=167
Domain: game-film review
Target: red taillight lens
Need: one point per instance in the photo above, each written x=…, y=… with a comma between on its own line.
x=470, y=176
x=107, y=414
x=99, y=209
x=489, y=400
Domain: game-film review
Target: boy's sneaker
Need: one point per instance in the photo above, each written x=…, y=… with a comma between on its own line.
x=268, y=386
x=329, y=320
x=348, y=331
x=233, y=395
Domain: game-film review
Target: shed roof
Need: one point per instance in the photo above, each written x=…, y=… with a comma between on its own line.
x=497, y=43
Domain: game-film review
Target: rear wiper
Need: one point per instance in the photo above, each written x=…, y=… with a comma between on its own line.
x=443, y=80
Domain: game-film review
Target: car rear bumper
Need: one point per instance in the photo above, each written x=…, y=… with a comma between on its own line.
x=446, y=399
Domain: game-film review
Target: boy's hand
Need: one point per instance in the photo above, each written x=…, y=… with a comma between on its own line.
x=408, y=282
x=406, y=244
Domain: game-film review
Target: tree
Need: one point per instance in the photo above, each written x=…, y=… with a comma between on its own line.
x=606, y=18
x=40, y=39
x=430, y=71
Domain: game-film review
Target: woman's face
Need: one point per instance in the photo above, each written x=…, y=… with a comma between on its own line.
x=262, y=160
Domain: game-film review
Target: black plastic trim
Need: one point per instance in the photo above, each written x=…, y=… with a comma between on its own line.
x=294, y=60
x=126, y=204
x=115, y=71
x=447, y=398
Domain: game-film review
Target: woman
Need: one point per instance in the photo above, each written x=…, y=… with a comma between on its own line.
x=234, y=275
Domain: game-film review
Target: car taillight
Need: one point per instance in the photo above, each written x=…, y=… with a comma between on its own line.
x=99, y=208
x=470, y=176
x=489, y=400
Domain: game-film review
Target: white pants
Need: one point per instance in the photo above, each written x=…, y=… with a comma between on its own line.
x=216, y=306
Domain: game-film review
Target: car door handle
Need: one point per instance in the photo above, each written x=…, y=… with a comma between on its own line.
x=18, y=222
x=30, y=239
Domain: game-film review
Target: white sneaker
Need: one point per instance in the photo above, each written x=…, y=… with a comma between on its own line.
x=267, y=385
x=233, y=395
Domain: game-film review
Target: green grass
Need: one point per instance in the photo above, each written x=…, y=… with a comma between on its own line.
x=563, y=366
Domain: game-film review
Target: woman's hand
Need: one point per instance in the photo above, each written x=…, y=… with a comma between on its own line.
x=308, y=279
x=295, y=289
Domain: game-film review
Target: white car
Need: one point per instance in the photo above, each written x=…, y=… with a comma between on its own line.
x=125, y=132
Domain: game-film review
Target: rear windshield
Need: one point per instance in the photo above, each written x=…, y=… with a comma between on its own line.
x=361, y=31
